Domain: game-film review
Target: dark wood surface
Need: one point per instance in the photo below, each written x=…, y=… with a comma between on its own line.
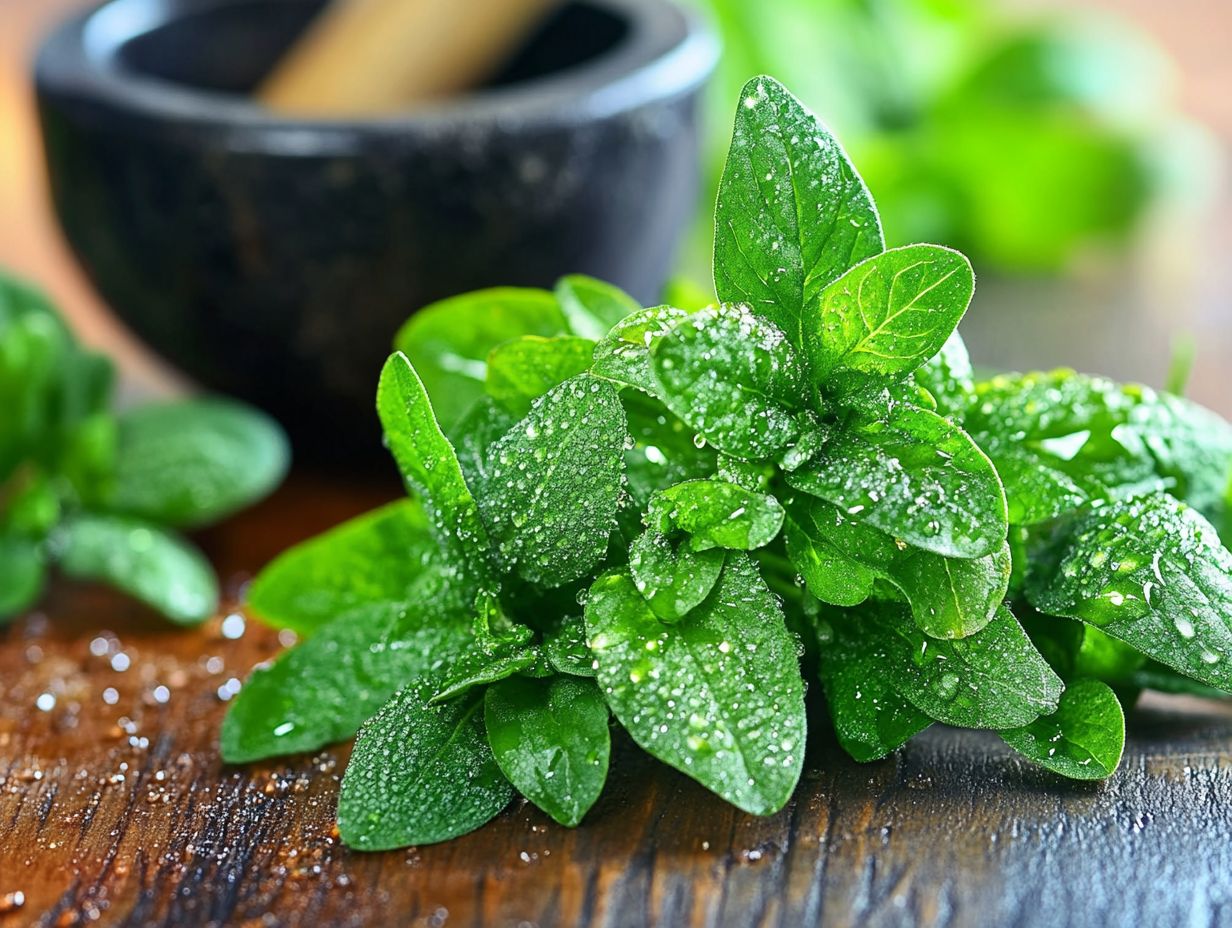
x=116, y=810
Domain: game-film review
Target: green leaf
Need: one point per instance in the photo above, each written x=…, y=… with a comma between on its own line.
x=430, y=466
x=915, y=476
x=1190, y=446
x=1072, y=181
x=193, y=462
x=372, y=562
x=717, y=696
x=554, y=480
x=320, y=691
x=673, y=578
x=754, y=477
x=494, y=628
x=887, y=315
x=160, y=569
x=733, y=377
x=716, y=514
x=1148, y=571
x=449, y=341
x=23, y=573
x=49, y=386
x=792, y=212
x=1082, y=739
x=86, y=459
x=810, y=438
x=841, y=560
x=475, y=433
x=870, y=718
x=523, y=369
x=33, y=345
x=1037, y=487
x=420, y=774
x=948, y=378
x=567, y=650
x=1085, y=435
x=550, y=738
x=31, y=506
x=623, y=354
x=665, y=452
x=904, y=391
x=592, y=306
x=1105, y=658
x=952, y=597
x=477, y=668
x=1225, y=525
x=992, y=679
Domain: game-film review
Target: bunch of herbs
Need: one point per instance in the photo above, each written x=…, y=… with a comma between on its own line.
x=679, y=516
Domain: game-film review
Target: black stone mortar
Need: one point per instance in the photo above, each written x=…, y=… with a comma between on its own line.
x=274, y=258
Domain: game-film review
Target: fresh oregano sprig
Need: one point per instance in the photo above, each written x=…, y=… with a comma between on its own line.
x=679, y=515
x=97, y=494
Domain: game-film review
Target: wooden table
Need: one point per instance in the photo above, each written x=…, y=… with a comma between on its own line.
x=116, y=810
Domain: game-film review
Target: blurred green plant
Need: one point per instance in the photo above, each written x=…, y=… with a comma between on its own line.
x=97, y=493
x=1025, y=144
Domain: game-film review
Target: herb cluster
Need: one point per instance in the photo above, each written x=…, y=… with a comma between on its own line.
x=98, y=494
x=658, y=512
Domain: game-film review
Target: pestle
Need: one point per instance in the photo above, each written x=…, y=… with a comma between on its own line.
x=365, y=57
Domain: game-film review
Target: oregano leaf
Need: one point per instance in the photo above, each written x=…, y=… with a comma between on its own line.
x=320, y=691
x=736, y=722
x=841, y=559
x=550, y=738
x=382, y=559
x=949, y=378
x=622, y=355
x=1083, y=739
x=1150, y=571
x=420, y=773
x=871, y=719
x=566, y=648
x=733, y=377
x=163, y=571
x=792, y=213
x=23, y=573
x=886, y=316
x=192, y=462
x=716, y=514
x=992, y=679
x=448, y=342
x=592, y=306
x=430, y=467
x=674, y=578
x=916, y=476
x=523, y=369
x=553, y=482
x=477, y=668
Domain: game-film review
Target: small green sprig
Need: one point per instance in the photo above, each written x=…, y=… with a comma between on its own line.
x=97, y=494
x=678, y=515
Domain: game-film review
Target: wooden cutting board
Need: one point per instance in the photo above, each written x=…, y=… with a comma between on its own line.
x=116, y=810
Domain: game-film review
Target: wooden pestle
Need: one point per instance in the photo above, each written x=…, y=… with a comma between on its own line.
x=363, y=57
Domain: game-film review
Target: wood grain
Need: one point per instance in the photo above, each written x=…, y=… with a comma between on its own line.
x=116, y=810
